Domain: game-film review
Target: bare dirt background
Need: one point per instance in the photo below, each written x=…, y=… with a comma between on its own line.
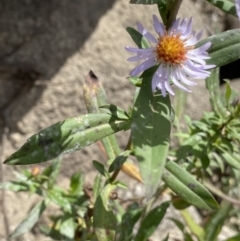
x=47, y=47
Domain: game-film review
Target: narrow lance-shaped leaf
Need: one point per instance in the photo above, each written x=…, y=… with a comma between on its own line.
x=187, y=187
x=212, y=84
x=66, y=137
x=67, y=228
x=138, y=38
x=56, y=168
x=225, y=47
x=226, y=6
x=216, y=222
x=119, y=160
x=151, y=222
x=76, y=183
x=104, y=220
x=130, y=217
x=150, y=133
x=30, y=220
x=195, y=228
x=94, y=96
x=229, y=158
x=115, y=111
x=100, y=168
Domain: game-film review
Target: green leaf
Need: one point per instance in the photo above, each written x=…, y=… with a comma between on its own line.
x=76, y=183
x=66, y=137
x=129, y=220
x=216, y=222
x=51, y=232
x=228, y=92
x=119, y=160
x=219, y=162
x=168, y=11
x=164, y=10
x=225, y=47
x=226, y=6
x=100, y=167
x=179, y=203
x=94, y=96
x=67, y=228
x=187, y=187
x=55, y=195
x=93, y=93
x=195, y=228
x=181, y=227
x=136, y=81
x=138, y=39
x=178, y=224
x=55, y=170
x=30, y=220
x=212, y=84
x=234, y=238
x=15, y=186
x=167, y=8
x=151, y=222
x=150, y=133
x=231, y=159
x=115, y=111
x=104, y=219
x=97, y=186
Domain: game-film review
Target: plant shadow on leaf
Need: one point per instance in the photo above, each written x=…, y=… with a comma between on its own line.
x=66, y=137
x=151, y=128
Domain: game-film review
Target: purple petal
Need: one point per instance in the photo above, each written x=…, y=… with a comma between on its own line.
x=154, y=81
x=168, y=87
x=237, y=4
x=137, y=50
x=204, y=47
x=135, y=58
x=161, y=86
x=181, y=75
x=159, y=71
x=159, y=27
x=210, y=66
x=143, y=66
x=188, y=29
x=197, y=67
x=195, y=72
x=196, y=59
x=177, y=83
x=199, y=35
x=175, y=25
x=146, y=34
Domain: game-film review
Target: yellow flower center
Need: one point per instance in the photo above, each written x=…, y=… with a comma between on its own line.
x=170, y=49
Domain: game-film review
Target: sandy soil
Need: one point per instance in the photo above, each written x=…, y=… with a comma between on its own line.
x=47, y=47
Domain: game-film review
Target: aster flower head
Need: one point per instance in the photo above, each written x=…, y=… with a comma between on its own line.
x=175, y=55
x=237, y=4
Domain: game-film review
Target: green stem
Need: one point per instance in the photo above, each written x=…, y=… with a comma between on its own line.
x=222, y=195
x=173, y=13
x=193, y=226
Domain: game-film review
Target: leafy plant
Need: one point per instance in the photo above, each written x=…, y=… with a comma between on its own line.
x=201, y=170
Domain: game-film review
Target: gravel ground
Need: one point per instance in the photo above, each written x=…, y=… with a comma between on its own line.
x=47, y=47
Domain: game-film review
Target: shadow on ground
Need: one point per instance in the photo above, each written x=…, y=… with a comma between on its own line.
x=37, y=37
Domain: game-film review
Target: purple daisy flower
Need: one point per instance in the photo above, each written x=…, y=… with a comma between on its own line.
x=174, y=53
x=237, y=4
